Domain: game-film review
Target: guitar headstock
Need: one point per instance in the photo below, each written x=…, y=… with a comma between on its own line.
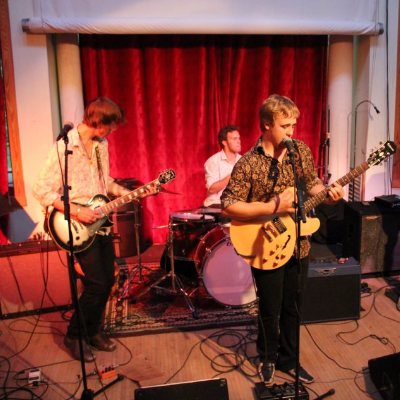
x=166, y=176
x=384, y=151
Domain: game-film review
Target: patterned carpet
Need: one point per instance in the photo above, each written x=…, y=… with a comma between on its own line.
x=152, y=304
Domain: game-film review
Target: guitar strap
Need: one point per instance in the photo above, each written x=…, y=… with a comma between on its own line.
x=300, y=171
x=99, y=167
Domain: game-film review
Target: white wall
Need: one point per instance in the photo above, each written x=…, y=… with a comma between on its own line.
x=39, y=120
x=37, y=108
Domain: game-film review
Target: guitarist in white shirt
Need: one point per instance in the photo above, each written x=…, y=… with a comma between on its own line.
x=261, y=185
x=88, y=175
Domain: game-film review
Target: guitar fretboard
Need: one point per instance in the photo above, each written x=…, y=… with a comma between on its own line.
x=343, y=181
x=127, y=198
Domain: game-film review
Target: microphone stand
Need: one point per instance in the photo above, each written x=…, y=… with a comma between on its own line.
x=87, y=394
x=299, y=215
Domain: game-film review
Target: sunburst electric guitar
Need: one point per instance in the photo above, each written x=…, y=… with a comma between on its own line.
x=268, y=243
x=84, y=234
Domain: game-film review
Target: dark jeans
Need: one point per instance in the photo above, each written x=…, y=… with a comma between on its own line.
x=97, y=263
x=276, y=292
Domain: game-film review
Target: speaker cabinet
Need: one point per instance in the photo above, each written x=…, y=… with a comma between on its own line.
x=213, y=389
x=385, y=375
x=333, y=292
x=371, y=236
x=34, y=279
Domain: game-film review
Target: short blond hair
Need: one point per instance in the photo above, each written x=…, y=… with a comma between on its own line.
x=276, y=105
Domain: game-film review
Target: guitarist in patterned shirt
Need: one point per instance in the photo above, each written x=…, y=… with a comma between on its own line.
x=261, y=185
x=88, y=175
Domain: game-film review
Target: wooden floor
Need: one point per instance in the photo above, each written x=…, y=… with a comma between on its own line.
x=336, y=353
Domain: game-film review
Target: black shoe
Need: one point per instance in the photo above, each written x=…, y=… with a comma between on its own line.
x=73, y=346
x=304, y=376
x=102, y=343
x=266, y=371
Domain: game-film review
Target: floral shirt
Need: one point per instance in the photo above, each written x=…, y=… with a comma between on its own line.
x=84, y=175
x=259, y=177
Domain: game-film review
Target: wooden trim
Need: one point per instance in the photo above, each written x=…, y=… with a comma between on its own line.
x=396, y=157
x=11, y=104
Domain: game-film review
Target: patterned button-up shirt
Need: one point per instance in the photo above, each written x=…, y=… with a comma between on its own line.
x=84, y=174
x=259, y=177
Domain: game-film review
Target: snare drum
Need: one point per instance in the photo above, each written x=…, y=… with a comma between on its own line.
x=226, y=276
x=188, y=228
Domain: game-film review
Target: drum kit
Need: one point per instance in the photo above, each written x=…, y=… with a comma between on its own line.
x=201, y=238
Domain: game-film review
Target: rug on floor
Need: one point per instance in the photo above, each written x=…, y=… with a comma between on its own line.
x=149, y=307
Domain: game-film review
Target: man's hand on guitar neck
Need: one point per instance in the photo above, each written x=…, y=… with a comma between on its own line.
x=150, y=190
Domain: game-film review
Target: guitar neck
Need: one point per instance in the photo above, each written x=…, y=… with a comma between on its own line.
x=127, y=198
x=343, y=181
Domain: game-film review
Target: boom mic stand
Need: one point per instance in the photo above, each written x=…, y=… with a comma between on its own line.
x=299, y=217
x=87, y=393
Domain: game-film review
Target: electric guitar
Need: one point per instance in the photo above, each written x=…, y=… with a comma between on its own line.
x=269, y=242
x=84, y=234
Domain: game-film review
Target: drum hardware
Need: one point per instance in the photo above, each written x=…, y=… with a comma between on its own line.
x=177, y=286
x=138, y=269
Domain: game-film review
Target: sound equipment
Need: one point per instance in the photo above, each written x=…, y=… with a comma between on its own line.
x=333, y=292
x=34, y=279
x=278, y=392
x=213, y=389
x=384, y=372
x=371, y=236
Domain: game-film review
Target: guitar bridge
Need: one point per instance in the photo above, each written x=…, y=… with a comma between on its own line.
x=273, y=229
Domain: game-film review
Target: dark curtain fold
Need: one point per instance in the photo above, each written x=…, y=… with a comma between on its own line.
x=179, y=90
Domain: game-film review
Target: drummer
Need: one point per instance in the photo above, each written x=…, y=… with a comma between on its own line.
x=218, y=167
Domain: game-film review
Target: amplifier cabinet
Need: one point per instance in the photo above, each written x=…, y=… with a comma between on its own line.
x=212, y=389
x=371, y=236
x=333, y=292
x=34, y=279
x=384, y=373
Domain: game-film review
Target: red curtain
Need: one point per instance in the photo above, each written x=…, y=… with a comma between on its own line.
x=178, y=91
x=3, y=165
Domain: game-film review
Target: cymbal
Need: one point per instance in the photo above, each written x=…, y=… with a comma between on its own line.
x=163, y=190
x=202, y=210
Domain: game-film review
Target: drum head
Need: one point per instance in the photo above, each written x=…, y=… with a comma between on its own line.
x=227, y=277
x=191, y=217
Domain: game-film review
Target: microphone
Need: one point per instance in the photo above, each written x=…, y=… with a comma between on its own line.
x=289, y=145
x=66, y=128
x=375, y=107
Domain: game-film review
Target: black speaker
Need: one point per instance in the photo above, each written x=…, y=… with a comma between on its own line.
x=333, y=292
x=385, y=374
x=34, y=279
x=213, y=389
x=371, y=236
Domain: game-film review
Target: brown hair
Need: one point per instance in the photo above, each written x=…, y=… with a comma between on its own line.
x=103, y=111
x=223, y=133
x=276, y=105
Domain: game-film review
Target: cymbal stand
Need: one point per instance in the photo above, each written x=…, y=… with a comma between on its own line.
x=176, y=283
x=138, y=269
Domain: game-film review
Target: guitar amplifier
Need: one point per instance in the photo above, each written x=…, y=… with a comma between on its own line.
x=333, y=292
x=34, y=279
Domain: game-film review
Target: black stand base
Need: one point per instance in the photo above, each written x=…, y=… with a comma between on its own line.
x=277, y=392
x=89, y=394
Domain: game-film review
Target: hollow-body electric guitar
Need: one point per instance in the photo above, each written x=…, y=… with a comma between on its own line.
x=84, y=234
x=269, y=242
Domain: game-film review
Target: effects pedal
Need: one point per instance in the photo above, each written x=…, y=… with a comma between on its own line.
x=278, y=392
x=107, y=371
x=34, y=377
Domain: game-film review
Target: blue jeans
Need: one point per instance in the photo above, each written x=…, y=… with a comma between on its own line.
x=97, y=263
x=276, y=292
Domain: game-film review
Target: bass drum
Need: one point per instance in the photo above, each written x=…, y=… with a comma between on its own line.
x=226, y=276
